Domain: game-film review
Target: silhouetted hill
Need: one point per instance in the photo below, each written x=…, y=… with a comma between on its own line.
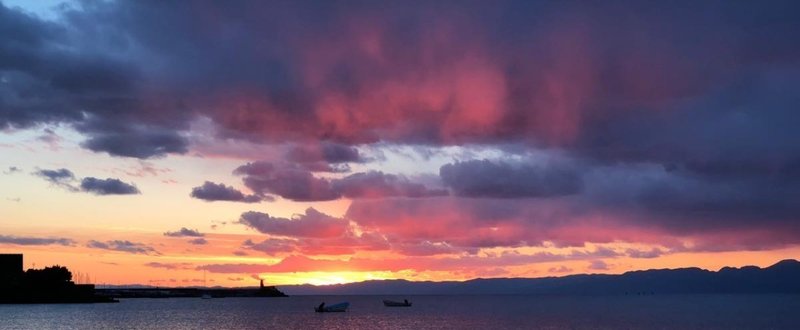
x=782, y=277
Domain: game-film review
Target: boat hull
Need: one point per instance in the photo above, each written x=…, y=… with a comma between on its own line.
x=390, y=303
x=337, y=308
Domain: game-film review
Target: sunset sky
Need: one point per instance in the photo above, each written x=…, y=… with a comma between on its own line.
x=155, y=142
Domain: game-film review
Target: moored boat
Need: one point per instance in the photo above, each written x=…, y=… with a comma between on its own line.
x=340, y=307
x=392, y=303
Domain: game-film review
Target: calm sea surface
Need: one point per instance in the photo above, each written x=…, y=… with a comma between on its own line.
x=428, y=312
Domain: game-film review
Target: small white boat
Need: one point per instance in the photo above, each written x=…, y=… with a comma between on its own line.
x=205, y=296
x=340, y=307
x=392, y=303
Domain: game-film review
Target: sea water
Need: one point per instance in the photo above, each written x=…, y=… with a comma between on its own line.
x=427, y=312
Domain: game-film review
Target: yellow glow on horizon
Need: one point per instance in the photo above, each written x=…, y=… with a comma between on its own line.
x=323, y=278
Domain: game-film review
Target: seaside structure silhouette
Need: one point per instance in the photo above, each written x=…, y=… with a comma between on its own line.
x=55, y=284
x=47, y=285
x=160, y=292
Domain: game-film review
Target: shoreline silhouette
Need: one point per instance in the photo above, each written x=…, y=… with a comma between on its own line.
x=49, y=285
x=781, y=277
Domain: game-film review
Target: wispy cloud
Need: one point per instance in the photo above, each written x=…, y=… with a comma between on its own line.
x=64, y=178
x=27, y=240
x=122, y=246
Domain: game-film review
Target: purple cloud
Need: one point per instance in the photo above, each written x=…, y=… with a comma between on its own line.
x=26, y=240
x=122, y=246
x=325, y=152
x=502, y=179
x=311, y=224
x=61, y=178
x=184, y=232
x=108, y=186
x=210, y=191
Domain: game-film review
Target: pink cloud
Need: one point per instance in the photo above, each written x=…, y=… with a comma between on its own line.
x=311, y=224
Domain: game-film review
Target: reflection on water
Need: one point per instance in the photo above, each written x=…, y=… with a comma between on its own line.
x=428, y=312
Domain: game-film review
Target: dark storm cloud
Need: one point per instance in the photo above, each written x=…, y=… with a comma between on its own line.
x=210, y=191
x=25, y=240
x=60, y=71
x=731, y=51
x=376, y=184
x=122, y=246
x=502, y=179
x=323, y=167
x=108, y=186
x=184, y=232
x=687, y=202
x=296, y=183
x=551, y=72
x=739, y=131
x=327, y=152
x=137, y=141
x=706, y=89
x=94, y=75
x=289, y=183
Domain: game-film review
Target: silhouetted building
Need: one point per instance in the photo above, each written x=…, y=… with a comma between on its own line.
x=41, y=286
x=10, y=263
x=10, y=269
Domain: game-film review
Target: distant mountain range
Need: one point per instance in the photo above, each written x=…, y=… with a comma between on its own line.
x=782, y=277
